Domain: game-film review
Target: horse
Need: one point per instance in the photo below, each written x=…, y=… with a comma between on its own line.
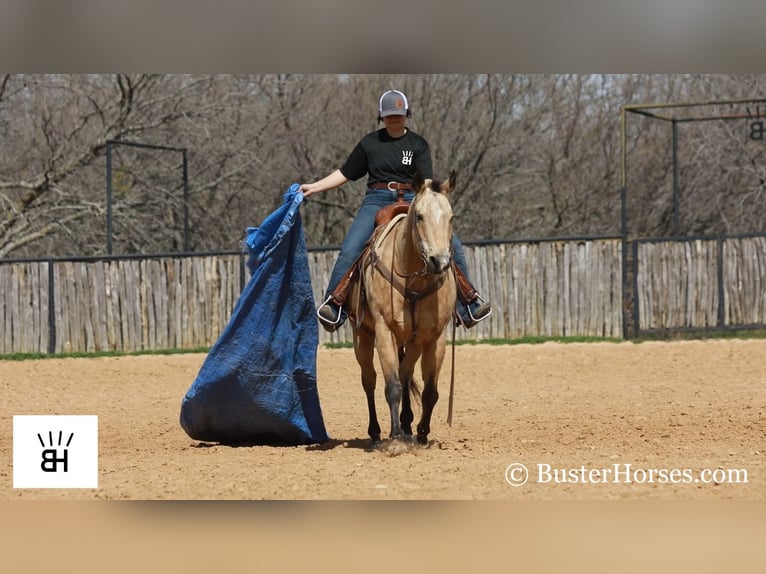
x=401, y=302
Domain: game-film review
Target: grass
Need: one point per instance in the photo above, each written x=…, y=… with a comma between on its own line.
x=519, y=341
x=85, y=355
x=668, y=337
x=704, y=335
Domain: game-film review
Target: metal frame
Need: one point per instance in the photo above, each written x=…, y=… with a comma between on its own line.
x=677, y=113
x=675, y=120
x=184, y=175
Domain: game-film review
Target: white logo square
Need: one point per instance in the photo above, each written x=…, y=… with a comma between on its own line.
x=55, y=451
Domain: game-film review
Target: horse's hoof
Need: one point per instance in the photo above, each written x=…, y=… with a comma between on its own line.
x=405, y=438
x=423, y=439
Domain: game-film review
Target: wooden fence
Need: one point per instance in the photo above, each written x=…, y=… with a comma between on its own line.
x=545, y=288
x=551, y=288
x=709, y=283
x=117, y=304
x=129, y=304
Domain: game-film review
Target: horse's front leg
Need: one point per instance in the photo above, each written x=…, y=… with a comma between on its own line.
x=406, y=369
x=431, y=364
x=389, y=363
x=364, y=347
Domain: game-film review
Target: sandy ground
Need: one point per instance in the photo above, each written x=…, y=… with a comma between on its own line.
x=598, y=421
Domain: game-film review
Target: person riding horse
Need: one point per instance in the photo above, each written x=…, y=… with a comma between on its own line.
x=389, y=157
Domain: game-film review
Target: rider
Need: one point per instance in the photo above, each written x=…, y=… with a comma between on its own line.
x=389, y=157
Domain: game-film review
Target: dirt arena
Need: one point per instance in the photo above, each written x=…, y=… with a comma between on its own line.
x=598, y=421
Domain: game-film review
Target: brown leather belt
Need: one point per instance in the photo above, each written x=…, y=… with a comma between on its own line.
x=392, y=186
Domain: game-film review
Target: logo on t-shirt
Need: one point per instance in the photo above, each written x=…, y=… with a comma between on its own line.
x=407, y=157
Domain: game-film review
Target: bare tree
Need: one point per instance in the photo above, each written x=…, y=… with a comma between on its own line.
x=537, y=155
x=52, y=176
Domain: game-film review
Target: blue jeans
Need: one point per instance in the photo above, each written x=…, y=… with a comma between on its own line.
x=361, y=230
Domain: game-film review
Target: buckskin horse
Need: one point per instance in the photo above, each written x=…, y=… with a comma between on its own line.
x=400, y=304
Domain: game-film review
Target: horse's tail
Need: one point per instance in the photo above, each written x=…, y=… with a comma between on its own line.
x=413, y=386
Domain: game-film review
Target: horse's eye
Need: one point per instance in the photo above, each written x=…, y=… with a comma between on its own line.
x=419, y=217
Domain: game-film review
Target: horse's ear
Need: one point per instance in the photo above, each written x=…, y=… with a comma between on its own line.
x=450, y=185
x=417, y=181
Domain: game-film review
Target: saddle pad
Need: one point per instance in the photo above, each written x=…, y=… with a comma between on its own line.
x=382, y=232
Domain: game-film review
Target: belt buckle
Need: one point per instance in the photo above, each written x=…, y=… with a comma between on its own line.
x=392, y=186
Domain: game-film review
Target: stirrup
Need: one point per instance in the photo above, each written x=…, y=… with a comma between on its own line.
x=327, y=323
x=465, y=316
x=482, y=303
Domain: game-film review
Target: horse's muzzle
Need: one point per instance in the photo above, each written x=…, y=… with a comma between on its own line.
x=438, y=264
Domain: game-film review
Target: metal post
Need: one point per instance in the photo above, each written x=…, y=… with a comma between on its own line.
x=242, y=271
x=624, y=224
x=636, y=310
x=108, y=198
x=676, y=225
x=721, y=291
x=51, y=311
x=186, y=201
x=625, y=286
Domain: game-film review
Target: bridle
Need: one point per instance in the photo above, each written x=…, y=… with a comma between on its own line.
x=421, y=253
x=392, y=274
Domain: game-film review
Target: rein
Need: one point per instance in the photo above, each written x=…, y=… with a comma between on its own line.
x=451, y=378
x=410, y=295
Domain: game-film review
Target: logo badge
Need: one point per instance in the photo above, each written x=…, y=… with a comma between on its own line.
x=55, y=451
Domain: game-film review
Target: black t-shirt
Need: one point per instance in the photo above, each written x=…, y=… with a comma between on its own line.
x=385, y=159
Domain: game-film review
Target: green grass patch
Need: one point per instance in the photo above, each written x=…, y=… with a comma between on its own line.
x=667, y=337
x=519, y=341
x=539, y=341
x=743, y=334
x=85, y=355
x=661, y=337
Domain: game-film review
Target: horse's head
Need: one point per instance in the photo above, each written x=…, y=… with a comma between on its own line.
x=431, y=221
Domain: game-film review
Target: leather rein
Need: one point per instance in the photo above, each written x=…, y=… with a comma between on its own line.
x=411, y=295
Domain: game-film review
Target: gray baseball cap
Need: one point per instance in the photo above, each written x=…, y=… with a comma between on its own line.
x=393, y=103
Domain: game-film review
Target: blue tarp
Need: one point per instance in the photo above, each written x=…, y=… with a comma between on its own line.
x=258, y=383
